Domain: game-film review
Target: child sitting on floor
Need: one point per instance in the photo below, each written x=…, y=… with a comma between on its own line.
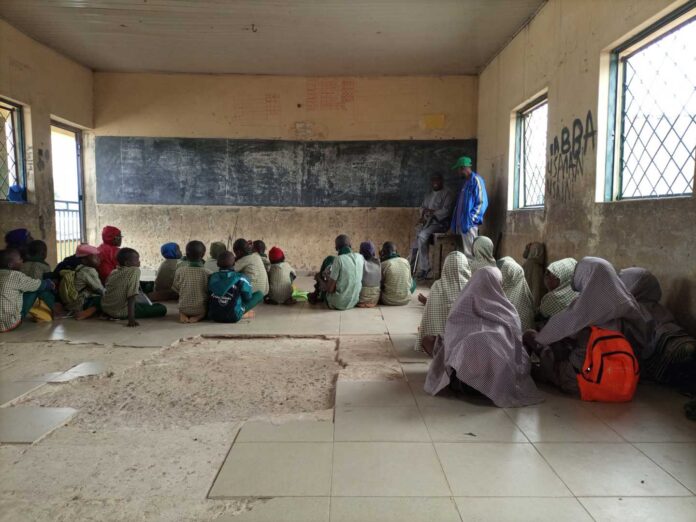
x=191, y=283
x=216, y=249
x=260, y=248
x=165, y=273
x=231, y=295
x=87, y=284
x=123, y=286
x=280, y=278
x=18, y=292
x=397, y=283
x=35, y=265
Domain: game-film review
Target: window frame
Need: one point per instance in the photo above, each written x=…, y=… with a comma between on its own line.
x=17, y=116
x=519, y=193
x=667, y=25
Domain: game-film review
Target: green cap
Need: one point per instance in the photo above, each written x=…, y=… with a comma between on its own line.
x=464, y=161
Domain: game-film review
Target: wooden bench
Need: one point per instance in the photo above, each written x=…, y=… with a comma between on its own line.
x=443, y=244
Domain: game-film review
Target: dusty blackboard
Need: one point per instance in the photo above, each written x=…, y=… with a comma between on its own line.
x=191, y=171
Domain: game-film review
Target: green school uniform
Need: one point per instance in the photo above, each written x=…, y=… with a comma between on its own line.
x=347, y=271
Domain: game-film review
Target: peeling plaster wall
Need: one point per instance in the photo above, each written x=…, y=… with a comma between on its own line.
x=274, y=107
x=49, y=86
x=560, y=51
x=306, y=235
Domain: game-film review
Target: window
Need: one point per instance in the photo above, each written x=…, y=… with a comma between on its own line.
x=12, y=179
x=655, y=116
x=530, y=155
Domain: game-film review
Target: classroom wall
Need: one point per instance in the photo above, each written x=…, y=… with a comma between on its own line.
x=50, y=86
x=284, y=108
x=560, y=51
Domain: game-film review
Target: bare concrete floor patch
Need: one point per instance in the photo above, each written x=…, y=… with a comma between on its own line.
x=205, y=380
x=152, y=431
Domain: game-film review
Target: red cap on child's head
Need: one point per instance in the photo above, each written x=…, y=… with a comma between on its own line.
x=275, y=254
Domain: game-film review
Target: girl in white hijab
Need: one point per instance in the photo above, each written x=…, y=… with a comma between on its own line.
x=483, y=253
x=482, y=345
x=455, y=275
x=603, y=301
x=517, y=291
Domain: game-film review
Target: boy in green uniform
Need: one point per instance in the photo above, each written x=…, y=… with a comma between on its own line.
x=18, y=292
x=123, y=286
x=231, y=295
x=216, y=249
x=260, y=248
x=345, y=280
x=35, y=265
x=280, y=278
x=397, y=283
x=250, y=264
x=191, y=283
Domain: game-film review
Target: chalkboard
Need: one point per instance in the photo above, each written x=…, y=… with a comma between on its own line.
x=192, y=171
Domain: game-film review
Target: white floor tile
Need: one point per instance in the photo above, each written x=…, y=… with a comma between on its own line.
x=498, y=470
x=647, y=421
x=529, y=509
x=561, y=421
x=275, y=469
x=678, y=459
x=27, y=424
x=465, y=422
x=387, y=469
x=380, y=424
x=385, y=509
x=641, y=509
x=292, y=431
x=605, y=469
x=373, y=393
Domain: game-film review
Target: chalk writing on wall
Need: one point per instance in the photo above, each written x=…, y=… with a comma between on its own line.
x=568, y=156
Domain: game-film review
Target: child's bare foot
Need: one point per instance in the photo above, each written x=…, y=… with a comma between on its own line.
x=249, y=315
x=86, y=314
x=183, y=318
x=195, y=318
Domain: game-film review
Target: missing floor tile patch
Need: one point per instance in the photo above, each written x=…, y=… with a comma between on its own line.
x=206, y=380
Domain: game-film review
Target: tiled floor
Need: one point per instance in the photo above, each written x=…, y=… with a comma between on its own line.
x=394, y=453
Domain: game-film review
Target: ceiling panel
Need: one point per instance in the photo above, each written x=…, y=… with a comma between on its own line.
x=295, y=37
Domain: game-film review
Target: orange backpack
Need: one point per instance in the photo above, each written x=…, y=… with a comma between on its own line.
x=610, y=372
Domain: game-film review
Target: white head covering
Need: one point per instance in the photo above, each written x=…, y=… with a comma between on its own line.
x=482, y=344
x=483, y=253
x=604, y=301
x=560, y=298
x=517, y=291
x=455, y=274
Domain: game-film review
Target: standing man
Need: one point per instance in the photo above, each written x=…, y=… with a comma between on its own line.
x=471, y=205
x=435, y=216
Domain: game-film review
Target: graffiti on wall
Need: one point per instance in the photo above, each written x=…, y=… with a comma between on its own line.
x=568, y=156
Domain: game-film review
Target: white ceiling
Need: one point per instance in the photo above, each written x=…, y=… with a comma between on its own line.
x=296, y=37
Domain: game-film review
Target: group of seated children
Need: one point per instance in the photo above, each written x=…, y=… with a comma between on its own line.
x=364, y=280
x=485, y=333
x=106, y=279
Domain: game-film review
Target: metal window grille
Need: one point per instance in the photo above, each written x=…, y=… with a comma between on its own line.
x=532, y=127
x=11, y=152
x=658, y=116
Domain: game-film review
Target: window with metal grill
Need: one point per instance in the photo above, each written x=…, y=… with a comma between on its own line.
x=530, y=155
x=652, y=154
x=12, y=176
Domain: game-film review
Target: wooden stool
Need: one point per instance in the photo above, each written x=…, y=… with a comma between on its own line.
x=443, y=244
